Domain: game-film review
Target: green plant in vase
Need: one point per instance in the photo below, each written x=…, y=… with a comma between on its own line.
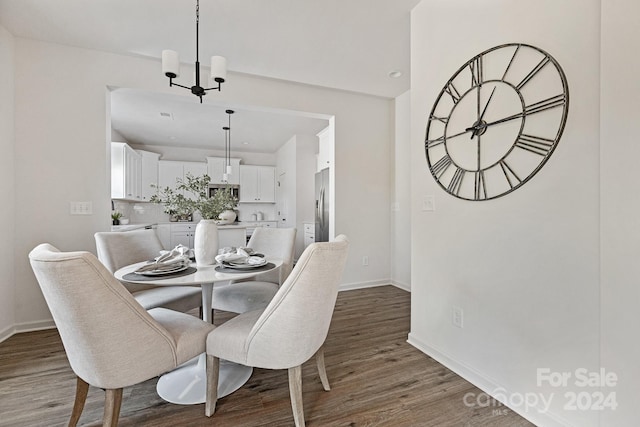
x=115, y=217
x=175, y=203
x=209, y=207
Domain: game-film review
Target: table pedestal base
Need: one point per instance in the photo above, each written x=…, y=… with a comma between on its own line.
x=187, y=384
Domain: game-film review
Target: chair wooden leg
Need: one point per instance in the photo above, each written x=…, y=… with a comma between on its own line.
x=213, y=370
x=295, y=390
x=322, y=371
x=82, y=388
x=112, y=402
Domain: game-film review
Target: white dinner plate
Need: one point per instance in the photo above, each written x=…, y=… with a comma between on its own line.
x=243, y=266
x=162, y=272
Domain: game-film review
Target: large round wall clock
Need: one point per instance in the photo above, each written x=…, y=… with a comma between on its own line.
x=496, y=122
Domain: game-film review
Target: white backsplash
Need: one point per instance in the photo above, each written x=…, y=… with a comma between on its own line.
x=151, y=213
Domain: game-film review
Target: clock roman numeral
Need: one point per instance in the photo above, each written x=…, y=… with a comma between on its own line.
x=456, y=181
x=475, y=67
x=453, y=92
x=553, y=102
x=441, y=165
x=444, y=120
x=480, y=188
x=430, y=143
x=533, y=72
x=509, y=174
x=535, y=144
x=510, y=62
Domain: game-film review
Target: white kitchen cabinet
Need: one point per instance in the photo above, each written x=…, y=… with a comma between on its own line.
x=126, y=169
x=257, y=184
x=182, y=234
x=216, y=167
x=149, y=174
x=169, y=171
x=325, y=147
x=309, y=235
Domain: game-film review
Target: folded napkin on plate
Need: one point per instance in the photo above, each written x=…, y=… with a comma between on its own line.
x=170, y=260
x=239, y=256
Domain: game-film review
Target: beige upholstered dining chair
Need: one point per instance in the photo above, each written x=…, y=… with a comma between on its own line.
x=119, y=249
x=290, y=330
x=240, y=297
x=111, y=341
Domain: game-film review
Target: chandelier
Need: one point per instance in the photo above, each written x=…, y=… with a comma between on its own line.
x=227, y=151
x=171, y=66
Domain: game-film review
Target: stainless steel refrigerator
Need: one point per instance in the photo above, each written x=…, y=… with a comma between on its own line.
x=322, y=205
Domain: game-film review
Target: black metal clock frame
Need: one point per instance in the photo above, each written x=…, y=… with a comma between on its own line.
x=542, y=147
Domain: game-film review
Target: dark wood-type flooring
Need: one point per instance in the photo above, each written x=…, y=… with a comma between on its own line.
x=376, y=377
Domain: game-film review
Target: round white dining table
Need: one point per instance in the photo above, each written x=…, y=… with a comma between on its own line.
x=186, y=384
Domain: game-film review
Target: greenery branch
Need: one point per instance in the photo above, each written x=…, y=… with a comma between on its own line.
x=209, y=207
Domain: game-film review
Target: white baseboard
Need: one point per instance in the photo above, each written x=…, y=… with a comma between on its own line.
x=535, y=415
x=26, y=327
x=363, y=285
x=7, y=332
x=374, y=284
x=401, y=285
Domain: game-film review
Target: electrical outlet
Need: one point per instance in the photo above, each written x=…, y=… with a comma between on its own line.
x=457, y=317
x=428, y=203
x=365, y=260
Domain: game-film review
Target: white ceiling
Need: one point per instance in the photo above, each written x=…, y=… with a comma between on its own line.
x=344, y=44
x=136, y=115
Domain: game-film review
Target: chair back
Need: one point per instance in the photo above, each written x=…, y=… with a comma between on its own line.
x=295, y=323
x=119, y=249
x=110, y=340
x=277, y=242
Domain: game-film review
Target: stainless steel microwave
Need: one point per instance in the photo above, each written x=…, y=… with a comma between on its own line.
x=234, y=188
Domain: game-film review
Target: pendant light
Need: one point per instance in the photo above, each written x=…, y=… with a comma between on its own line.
x=171, y=66
x=228, y=170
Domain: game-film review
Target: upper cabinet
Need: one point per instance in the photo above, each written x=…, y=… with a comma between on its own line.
x=132, y=173
x=326, y=139
x=169, y=171
x=257, y=184
x=148, y=174
x=126, y=170
x=216, y=167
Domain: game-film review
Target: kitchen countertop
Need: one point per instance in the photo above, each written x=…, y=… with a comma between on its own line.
x=129, y=227
x=220, y=226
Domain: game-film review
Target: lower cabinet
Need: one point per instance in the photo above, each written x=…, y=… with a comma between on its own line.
x=309, y=233
x=174, y=234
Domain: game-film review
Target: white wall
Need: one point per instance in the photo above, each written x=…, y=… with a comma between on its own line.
x=61, y=153
x=7, y=189
x=524, y=267
x=401, y=195
x=620, y=207
x=295, y=174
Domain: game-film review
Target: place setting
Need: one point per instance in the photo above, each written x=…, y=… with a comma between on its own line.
x=174, y=263
x=240, y=260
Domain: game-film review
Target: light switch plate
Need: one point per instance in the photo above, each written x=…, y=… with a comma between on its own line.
x=81, y=208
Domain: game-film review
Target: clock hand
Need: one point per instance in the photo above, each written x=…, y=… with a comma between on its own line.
x=459, y=133
x=506, y=119
x=475, y=128
x=485, y=107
